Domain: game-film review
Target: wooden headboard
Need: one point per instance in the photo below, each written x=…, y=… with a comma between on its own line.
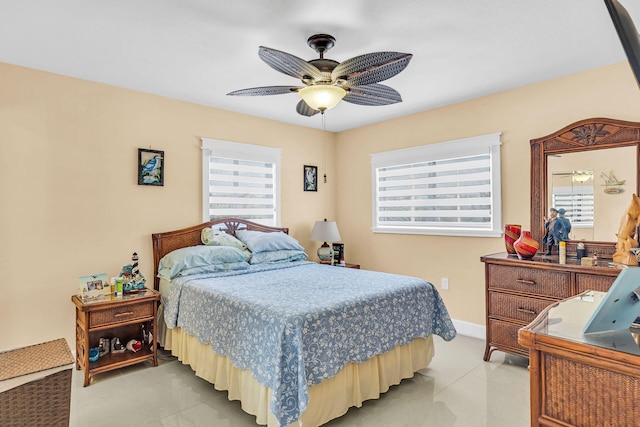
x=163, y=243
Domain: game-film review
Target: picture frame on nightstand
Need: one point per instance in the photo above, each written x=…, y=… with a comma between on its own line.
x=93, y=286
x=338, y=254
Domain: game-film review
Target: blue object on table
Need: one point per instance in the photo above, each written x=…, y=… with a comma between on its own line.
x=619, y=307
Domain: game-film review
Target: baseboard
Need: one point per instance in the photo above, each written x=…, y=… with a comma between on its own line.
x=469, y=329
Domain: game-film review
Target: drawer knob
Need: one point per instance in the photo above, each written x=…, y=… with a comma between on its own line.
x=525, y=282
x=524, y=310
x=128, y=313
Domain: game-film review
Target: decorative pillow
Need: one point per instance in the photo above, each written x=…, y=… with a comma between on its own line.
x=259, y=241
x=212, y=237
x=198, y=256
x=281, y=255
x=212, y=268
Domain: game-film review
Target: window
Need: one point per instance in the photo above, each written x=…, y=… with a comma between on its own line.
x=241, y=181
x=450, y=188
x=574, y=192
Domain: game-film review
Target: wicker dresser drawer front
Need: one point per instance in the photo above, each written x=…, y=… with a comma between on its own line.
x=506, y=334
x=536, y=281
x=120, y=314
x=514, y=307
x=586, y=282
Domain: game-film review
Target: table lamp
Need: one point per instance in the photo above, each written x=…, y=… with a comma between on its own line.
x=325, y=231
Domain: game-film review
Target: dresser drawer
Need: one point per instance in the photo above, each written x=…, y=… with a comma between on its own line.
x=517, y=308
x=120, y=314
x=536, y=281
x=586, y=282
x=505, y=334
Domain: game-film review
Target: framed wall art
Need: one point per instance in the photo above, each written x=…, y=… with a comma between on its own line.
x=150, y=167
x=310, y=178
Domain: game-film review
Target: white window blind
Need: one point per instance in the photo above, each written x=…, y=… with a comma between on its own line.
x=242, y=181
x=577, y=203
x=451, y=188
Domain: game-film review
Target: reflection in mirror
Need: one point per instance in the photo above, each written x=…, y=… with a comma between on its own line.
x=573, y=191
x=581, y=183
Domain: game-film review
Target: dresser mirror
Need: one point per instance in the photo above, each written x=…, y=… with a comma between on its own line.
x=591, y=169
x=594, y=187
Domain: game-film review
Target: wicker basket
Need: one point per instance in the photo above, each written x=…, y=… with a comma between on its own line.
x=36, y=384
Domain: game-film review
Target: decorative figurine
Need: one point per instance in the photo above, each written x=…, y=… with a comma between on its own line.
x=147, y=336
x=134, y=345
x=628, y=234
x=557, y=229
x=117, y=346
x=104, y=346
x=561, y=227
x=548, y=238
x=130, y=273
x=134, y=266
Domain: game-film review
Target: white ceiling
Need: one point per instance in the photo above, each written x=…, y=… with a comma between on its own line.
x=199, y=50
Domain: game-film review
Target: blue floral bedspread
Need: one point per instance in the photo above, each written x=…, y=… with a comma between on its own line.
x=296, y=324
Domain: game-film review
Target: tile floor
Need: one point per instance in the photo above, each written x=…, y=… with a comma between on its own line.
x=458, y=389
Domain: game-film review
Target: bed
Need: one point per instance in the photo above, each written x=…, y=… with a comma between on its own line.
x=298, y=343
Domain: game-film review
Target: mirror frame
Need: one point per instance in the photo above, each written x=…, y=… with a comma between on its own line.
x=584, y=135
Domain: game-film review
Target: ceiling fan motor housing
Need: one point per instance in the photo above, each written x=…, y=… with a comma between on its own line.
x=321, y=43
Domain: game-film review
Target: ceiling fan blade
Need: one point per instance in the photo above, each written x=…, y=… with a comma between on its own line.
x=371, y=68
x=289, y=64
x=304, y=109
x=375, y=94
x=265, y=90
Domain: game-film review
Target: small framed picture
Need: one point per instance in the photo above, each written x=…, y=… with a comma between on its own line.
x=150, y=167
x=310, y=178
x=94, y=287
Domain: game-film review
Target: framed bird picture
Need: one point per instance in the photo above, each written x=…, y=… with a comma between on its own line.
x=150, y=167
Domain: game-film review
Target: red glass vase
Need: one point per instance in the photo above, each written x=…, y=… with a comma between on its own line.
x=511, y=234
x=526, y=246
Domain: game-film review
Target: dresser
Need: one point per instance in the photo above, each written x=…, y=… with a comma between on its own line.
x=517, y=291
x=579, y=380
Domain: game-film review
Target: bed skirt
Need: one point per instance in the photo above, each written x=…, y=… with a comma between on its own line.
x=330, y=399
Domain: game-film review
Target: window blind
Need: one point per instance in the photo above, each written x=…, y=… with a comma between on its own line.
x=578, y=204
x=241, y=182
x=449, y=188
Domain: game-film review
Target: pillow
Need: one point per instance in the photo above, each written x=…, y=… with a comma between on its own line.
x=197, y=256
x=259, y=241
x=281, y=255
x=212, y=237
x=212, y=268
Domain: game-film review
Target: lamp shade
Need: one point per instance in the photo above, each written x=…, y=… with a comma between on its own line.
x=325, y=231
x=322, y=97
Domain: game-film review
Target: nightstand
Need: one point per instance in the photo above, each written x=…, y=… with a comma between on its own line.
x=122, y=317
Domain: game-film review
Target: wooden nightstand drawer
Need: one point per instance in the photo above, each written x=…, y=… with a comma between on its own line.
x=120, y=314
x=548, y=283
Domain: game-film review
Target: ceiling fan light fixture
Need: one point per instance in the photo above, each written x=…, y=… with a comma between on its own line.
x=322, y=97
x=582, y=176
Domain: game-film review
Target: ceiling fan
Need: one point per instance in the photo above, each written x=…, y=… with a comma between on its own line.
x=326, y=81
